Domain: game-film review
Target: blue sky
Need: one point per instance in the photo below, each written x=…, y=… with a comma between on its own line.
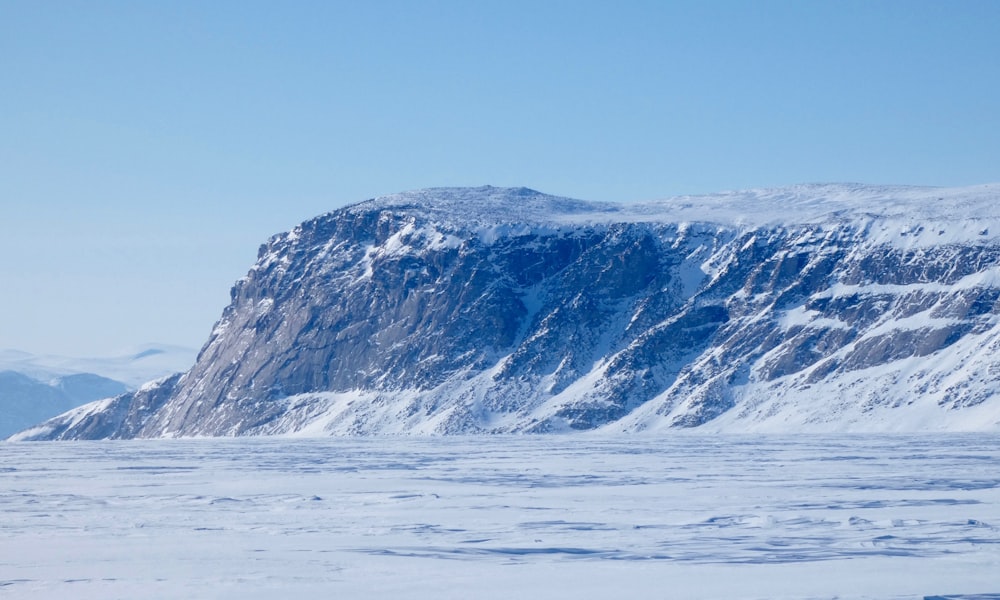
x=148, y=148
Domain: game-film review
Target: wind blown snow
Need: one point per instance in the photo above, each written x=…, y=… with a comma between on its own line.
x=683, y=516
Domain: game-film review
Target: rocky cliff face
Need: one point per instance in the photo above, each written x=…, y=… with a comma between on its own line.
x=505, y=310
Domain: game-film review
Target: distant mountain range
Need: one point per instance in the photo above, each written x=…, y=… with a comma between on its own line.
x=493, y=310
x=34, y=388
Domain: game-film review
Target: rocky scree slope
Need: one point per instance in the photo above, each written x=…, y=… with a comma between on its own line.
x=488, y=310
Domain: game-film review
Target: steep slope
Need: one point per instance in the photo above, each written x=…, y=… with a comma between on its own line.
x=498, y=310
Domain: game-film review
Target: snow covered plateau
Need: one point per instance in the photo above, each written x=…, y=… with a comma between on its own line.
x=737, y=517
x=819, y=308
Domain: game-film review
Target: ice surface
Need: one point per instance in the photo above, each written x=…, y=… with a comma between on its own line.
x=680, y=516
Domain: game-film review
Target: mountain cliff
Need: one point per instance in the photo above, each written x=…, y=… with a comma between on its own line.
x=487, y=310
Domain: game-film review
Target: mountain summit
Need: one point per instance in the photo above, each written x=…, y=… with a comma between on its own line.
x=487, y=310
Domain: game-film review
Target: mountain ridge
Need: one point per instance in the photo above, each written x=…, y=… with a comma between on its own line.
x=481, y=310
x=788, y=205
x=131, y=366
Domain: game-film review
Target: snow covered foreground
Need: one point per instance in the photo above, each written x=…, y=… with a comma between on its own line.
x=504, y=517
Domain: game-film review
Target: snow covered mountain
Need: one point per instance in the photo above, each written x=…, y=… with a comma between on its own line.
x=817, y=307
x=25, y=401
x=34, y=388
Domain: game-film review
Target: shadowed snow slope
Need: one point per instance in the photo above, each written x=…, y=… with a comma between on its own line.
x=817, y=307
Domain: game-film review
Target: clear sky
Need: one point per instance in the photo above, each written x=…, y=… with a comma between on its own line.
x=148, y=148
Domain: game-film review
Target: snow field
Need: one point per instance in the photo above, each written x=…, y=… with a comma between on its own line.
x=680, y=516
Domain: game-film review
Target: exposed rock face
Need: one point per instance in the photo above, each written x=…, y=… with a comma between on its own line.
x=505, y=310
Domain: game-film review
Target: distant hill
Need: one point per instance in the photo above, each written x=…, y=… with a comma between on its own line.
x=35, y=388
x=133, y=367
x=25, y=401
